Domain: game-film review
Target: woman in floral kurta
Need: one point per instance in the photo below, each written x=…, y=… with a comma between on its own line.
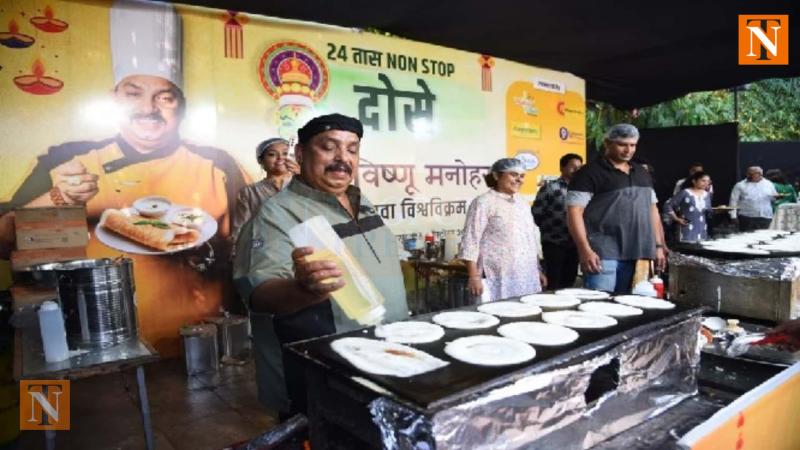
x=500, y=239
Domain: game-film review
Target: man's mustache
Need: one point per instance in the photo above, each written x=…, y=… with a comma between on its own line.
x=339, y=166
x=155, y=116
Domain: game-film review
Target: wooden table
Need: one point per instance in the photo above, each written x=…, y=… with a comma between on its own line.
x=29, y=363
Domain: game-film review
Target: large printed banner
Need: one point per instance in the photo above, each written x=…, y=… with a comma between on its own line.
x=112, y=102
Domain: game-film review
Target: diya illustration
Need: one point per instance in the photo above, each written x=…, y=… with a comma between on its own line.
x=13, y=38
x=295, y=76
x=37, y=83
x=48, y=23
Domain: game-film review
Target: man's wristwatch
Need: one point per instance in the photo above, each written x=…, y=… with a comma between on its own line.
x=659, y=245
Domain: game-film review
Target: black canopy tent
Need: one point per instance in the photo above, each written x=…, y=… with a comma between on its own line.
x=631, y=53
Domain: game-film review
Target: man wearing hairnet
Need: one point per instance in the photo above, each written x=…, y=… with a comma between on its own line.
x=146, y=158
x=612, y=214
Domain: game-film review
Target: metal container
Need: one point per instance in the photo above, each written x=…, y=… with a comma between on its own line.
x=42, y=275
x=233, y=336
x=200, y=348
x=97, y=297
x=757, y=288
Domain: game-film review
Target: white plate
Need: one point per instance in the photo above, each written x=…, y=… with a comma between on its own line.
x=714, y=323
x=510, y=309
x=584, y=294
x=538, y=333
x=551, y=301
x=485, y=350
x=579, y=319
x=410, y=332
x=207, y=229
x=465, y=320
x=385, y=358
x=638, y=301
x=610, y=309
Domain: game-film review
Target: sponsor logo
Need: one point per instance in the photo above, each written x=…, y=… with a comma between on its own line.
x=526, y=130
x=44, y=405
x=549, y=85
x=256, y=243
x=763, y=39
x=529, y=159
x=563, y=109
x=527, y=103
x=571, y=137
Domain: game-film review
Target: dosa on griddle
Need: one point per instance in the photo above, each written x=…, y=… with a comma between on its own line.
x=538, y=333
x=584, y=294
x=510, y=309
x=385, y=358
x=486, y=350
x=579, y=319
x=147, y=231
x=410, y=332
x=638, y=301
x=465, y=320
x=610, y=309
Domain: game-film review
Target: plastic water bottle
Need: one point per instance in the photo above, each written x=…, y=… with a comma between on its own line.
x=54, y=336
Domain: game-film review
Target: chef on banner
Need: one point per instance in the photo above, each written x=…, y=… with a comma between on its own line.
x=148, y=158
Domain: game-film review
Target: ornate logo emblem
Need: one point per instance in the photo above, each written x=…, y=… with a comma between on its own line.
x=292, y=68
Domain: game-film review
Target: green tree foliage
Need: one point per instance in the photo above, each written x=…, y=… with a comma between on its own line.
x=768, y=110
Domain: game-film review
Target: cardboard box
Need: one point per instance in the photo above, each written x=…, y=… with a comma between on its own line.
x=53, y=227
x=22, y=259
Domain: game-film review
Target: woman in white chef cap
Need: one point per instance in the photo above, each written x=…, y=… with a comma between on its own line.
x=500, y=238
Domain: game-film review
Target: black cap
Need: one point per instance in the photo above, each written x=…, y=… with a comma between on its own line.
x=327, y=122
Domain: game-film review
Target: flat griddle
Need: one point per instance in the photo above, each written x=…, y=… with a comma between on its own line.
x=691, y=248
x=460, y=381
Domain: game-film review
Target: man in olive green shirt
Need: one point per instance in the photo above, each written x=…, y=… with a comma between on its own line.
x=276, y=278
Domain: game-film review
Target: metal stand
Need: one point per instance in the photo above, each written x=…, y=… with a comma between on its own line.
x=50, y=439
x=145, y=408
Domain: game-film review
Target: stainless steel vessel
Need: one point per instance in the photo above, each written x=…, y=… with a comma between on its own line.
x=200, y=348
x=97, y=297
x=233, y=336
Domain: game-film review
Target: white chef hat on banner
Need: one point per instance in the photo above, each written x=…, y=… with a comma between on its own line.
x=146, y=39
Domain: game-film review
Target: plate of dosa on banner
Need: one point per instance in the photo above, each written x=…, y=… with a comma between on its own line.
x=178, y=228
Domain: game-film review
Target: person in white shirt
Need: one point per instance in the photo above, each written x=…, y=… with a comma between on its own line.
x=753, y=197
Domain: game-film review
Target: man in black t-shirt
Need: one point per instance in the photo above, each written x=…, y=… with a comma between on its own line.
x=612, y=214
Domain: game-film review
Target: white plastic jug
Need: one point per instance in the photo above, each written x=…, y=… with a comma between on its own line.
x=359, y=298
x=54, y=335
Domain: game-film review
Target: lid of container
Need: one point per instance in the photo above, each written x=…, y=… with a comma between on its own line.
x=49, y=305
x=229, y=320
x=201, y=329
x=88, y=263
